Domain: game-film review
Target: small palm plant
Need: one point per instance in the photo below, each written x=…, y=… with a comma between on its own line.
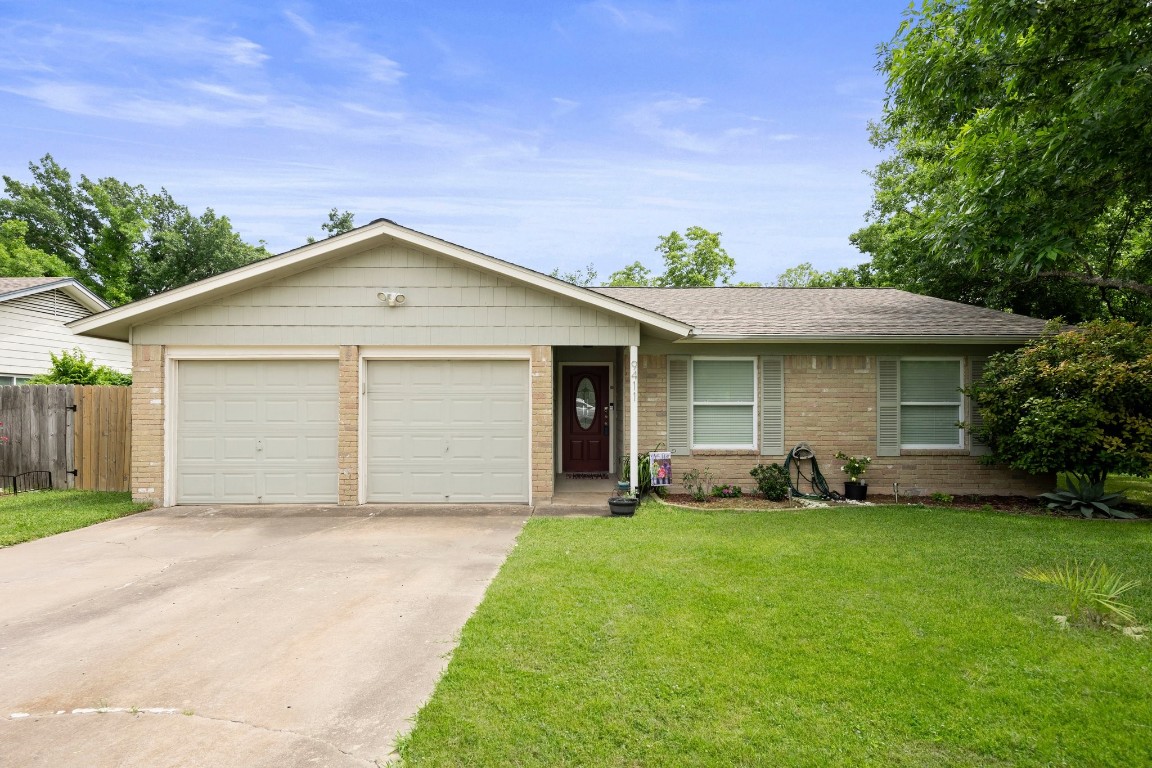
x=1092, y=593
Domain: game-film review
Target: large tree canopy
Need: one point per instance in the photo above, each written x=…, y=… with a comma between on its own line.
x=1020, y=166
x=121, y=241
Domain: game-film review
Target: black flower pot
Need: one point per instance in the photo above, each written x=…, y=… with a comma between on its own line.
x=856, y=491
x=623, y=505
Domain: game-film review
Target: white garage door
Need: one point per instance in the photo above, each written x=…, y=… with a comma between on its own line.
x=256, y=432
x=447, y=431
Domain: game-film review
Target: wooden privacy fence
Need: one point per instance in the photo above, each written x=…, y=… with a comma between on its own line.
x=81, y=434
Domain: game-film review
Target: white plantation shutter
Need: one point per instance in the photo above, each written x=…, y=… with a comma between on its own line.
x=678, y=405
x=976, y=417
x=772, y=406
x=930, y=402
x=723, y=402
x=887, y=406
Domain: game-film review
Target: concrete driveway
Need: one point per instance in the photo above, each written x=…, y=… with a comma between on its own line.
x=236, y=636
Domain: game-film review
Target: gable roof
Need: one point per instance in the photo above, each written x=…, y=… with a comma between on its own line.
x=17, y=287
x=828, y=314
x=116, y=323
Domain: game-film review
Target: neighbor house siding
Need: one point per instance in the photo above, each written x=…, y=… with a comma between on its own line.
x=32, y=329
x=829, y=403
x=448, y=304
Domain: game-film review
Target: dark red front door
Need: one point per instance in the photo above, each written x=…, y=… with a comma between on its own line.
x=584, y=421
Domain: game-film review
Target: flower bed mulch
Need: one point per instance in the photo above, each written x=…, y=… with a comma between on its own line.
x=1020, y=505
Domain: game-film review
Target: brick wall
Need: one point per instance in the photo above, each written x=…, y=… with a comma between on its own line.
x=148, y=423
x=830, y=403
x=543, y=464
x=348, y=433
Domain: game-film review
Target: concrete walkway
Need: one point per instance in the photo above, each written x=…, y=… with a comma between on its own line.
x=236, y=636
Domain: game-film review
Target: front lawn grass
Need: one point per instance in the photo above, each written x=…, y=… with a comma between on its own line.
x=37, y=514
x=886, y=636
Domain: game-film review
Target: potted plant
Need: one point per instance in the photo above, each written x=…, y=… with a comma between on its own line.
x=623, y=504
x=855, y=489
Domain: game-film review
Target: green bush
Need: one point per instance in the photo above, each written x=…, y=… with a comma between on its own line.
x=771, y=481
x=727, y=491
x=697, y=483
x=74, y=368
x=1073, y=401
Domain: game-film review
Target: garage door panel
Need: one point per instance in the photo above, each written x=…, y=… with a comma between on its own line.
x=438, y=429
x=253, y=431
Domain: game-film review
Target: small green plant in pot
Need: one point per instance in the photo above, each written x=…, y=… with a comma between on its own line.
x=855, y=489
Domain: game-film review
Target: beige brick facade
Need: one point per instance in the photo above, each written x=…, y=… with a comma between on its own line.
x=543, y=435
x=830, y=403
x=348, y=432
x=148, y=423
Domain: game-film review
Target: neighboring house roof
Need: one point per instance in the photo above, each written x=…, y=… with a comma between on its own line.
x=827, y=314
x=116, y=323
x=16, y=287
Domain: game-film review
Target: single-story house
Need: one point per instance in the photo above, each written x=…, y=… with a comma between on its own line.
x=34, y=317
x=386, y=365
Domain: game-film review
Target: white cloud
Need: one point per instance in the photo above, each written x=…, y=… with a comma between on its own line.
x=335, y=44
x=651, y=120
x=629, y=19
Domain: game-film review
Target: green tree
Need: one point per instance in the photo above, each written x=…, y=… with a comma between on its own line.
x=121, y=241
x=1020, y=160
x=804, y=275
x=18, y=259
x=583, y=277
x=74, y=368
x=338, y=223
x=695, y=259
x=1074, y=402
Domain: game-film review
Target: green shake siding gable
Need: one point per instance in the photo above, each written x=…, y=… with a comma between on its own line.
x=448, y=304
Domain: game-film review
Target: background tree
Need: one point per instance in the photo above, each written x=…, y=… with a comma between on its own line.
x=18, y=259
x=1020, y=167
x=804, y=275
x=74, y=368
x=1073, y=402
x=583, y=277
x=338, y=223
x=121, y=241
x=695, y=259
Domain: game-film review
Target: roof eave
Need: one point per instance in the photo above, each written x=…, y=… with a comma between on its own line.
x=67, y=284
x=116, y=323
x=861, y=339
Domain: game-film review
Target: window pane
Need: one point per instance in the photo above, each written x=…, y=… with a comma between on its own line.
x=929, y=425
x=930, y=381
x=722, y=425
x=6, y=380
x=723, y=381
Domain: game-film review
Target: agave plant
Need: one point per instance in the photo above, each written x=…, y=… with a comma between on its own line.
x=1093, y=593
x=1087, y=498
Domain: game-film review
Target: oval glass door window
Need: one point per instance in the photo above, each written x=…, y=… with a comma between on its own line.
x=585, y=403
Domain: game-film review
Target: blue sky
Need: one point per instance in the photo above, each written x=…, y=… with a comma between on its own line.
x=551, y=134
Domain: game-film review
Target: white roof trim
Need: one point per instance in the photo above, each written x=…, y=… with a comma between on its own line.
x=69, y=285
x=115, y=322
x=869, y=339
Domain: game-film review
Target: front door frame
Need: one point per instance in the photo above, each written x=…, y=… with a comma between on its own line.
x=558, y=404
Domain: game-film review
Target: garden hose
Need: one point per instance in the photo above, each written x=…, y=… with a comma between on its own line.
x=816, y=482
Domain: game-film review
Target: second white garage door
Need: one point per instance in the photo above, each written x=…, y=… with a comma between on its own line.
x=447, y=431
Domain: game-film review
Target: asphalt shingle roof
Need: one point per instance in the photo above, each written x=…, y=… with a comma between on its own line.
x=10, y=284
x=824, y=313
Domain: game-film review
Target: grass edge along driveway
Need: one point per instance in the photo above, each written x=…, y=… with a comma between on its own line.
x=34, y=515
x=895, y=636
